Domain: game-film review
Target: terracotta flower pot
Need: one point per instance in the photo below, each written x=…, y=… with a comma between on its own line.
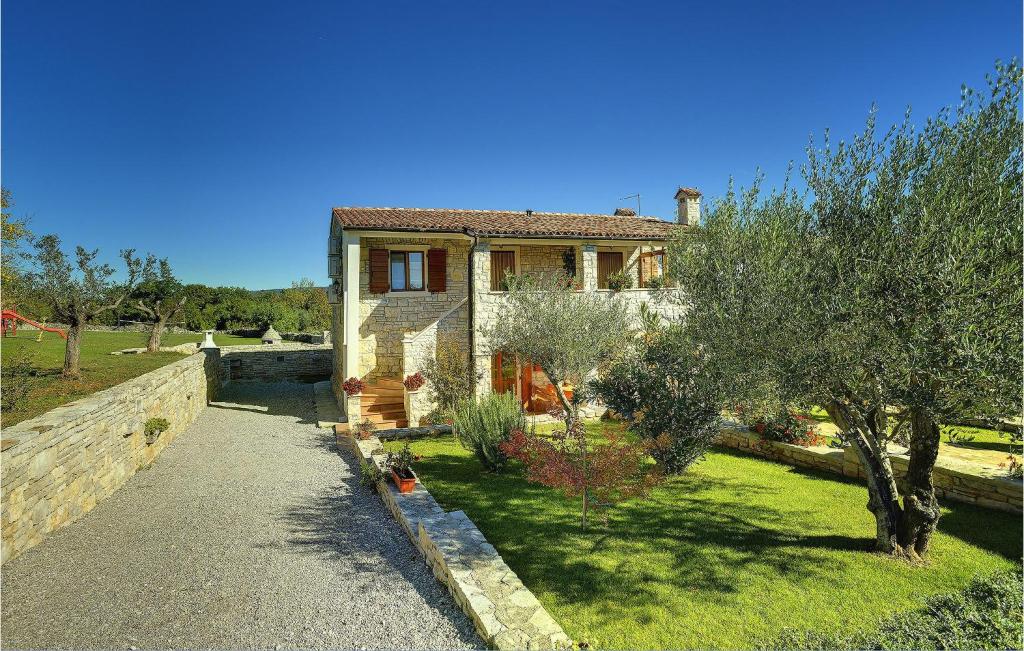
x=405, y=485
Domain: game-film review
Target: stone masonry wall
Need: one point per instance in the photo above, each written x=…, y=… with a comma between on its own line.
x=506, y=614
x=285, y=362
x=952, y=481
x=58, y=466
x=384, y=319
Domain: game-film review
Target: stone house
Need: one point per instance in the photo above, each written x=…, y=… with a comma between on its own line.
x=405, y=278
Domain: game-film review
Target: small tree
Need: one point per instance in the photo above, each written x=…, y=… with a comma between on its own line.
x=161, y=297
x=568, y=334
x=896, y=287
x=669, y=393
x=15, y=235
x=448, y=376
x=601, y=475
x=79, y=292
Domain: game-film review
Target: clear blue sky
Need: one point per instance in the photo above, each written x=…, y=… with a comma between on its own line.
x=219, y=134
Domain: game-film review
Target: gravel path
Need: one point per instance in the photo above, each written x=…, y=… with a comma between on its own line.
x=249, y=531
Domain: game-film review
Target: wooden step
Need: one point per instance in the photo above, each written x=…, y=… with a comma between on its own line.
x=391, y=424
x=389, y=393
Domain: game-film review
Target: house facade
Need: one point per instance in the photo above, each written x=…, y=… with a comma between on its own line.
x=404, y=279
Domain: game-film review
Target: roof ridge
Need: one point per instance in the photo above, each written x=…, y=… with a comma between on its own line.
x=503, y=212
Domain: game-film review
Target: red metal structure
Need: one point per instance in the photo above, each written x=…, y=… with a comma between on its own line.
x=10, y=318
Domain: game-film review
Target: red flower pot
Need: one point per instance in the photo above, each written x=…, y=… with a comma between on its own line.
x=405, y=485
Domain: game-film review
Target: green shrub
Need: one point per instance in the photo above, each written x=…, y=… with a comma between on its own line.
x=481, y=426
x=17, y=375
x=369, y=474
x=447, y=373
x=668, y=396
x=153, y=427
x=985, y=615
x=619, y=280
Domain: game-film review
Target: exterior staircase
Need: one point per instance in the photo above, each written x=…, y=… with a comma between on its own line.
x=383, y=402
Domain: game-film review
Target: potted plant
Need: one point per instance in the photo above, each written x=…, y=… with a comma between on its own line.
x=400, y=466
x=619, y=280
x=414, y=382
x=154, y=427
x=353, y=386
x=364, y=429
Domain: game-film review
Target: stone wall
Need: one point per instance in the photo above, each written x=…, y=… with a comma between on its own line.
x=58, y=466
x=487, y=305
x=507, y=615
x=384, y=319
x=285, y=362
x=953, y=481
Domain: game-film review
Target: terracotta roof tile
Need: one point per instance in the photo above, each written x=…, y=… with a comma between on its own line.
x=504, y=223
x=688, y=192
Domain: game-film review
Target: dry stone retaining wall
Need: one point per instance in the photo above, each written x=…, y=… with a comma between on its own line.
x=283, y=362
x=58, y=466
x=952, y=481
x=506, y=614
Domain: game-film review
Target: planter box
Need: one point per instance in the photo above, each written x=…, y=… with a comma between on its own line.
x=404, y=485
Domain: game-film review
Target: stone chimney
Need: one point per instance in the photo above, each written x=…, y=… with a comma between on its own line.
x=625, y=212
x=688, y=206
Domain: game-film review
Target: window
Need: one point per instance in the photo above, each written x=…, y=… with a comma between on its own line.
x=503, y=263
x=406, y=271
x=608, y=262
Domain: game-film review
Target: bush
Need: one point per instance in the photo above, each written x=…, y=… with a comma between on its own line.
x=153, y=427
x=369, y=474
x=17, y=374
x=481, y=426
x=364, y=429
x=788, y=427
x=985, y=615
x=448, y=374
x=619, y=280
x=667, y=395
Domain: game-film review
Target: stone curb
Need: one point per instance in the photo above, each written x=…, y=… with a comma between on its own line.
x=506, y=614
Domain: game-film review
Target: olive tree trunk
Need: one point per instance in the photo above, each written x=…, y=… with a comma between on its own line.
x=899, y=530
x=72, y=350
x=920, y=507
x=154, y=335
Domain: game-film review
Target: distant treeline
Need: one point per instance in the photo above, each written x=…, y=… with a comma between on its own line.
x=302, y=307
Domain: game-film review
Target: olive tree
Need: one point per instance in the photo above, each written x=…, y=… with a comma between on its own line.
x=161, y=297
x=80, y=291
x=567, y=333
x=890, y=293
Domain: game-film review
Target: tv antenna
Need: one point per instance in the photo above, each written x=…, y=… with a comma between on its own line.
x=633, y=196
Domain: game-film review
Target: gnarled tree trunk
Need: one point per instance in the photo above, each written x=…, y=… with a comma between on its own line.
x=920, y=507
x=153, y=345
x=72, y=350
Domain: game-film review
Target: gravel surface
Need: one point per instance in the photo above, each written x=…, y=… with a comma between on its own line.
x=249, y=531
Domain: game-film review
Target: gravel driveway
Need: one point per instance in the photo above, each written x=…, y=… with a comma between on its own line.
x=249, y=531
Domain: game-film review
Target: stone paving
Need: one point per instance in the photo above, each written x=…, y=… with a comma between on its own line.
x=249, y=531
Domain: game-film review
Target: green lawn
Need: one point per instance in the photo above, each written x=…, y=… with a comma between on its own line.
x=723, y=557
x=100, y=369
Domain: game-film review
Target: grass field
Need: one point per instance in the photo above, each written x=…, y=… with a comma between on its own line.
x=100, y=369
x=723, y=557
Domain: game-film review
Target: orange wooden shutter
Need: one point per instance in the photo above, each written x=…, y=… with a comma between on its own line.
x=437, y=264
x=608, y=262
x=500, y=262
x=379, y=271
x=646, y=267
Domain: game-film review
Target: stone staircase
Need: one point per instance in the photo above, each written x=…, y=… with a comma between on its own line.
x=383, y=402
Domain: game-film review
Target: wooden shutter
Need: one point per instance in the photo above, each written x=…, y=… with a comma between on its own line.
x=379, y=271
x=500, y=261
x=607, y=262
x=437, y=270
x=646, y=267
